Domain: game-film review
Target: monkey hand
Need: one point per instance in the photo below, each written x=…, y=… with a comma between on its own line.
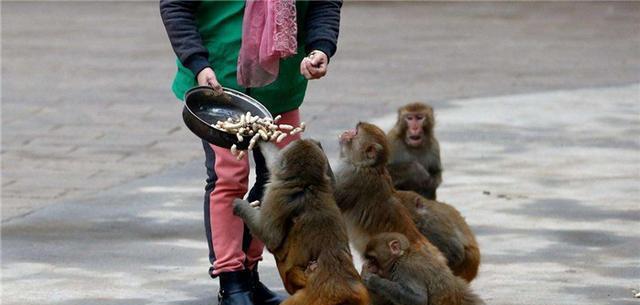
x=368, y=278
x=311, y=267
x=367, y=272
x=239, y=205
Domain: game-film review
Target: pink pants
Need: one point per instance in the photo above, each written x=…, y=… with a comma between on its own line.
x=226, y=232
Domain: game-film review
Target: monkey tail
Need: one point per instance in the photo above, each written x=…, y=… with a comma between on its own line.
x=471, y=263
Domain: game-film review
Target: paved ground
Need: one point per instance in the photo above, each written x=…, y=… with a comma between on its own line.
x=86, y=104
x=550, y=184
x=101, y=182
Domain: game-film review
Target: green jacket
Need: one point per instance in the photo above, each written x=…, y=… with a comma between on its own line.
x=220, y=26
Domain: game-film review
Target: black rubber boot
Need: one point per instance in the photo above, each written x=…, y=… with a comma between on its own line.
x=235, y=288
x=261, y=294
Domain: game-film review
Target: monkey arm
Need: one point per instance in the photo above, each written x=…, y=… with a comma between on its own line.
x=270, y=152
x=296, y=279
x=270, y=234
x=408, y=175
x=435, y=167
x=435, y=172
x=428, y=189
x=395, y=292
x=332, y=176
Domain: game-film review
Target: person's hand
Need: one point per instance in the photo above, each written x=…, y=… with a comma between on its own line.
x=314, y=66
x=207, y=77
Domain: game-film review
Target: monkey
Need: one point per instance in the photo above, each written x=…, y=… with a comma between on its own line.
x=446, y=228
x=365, y=194
x=396, y=274
x=371, y=205
x=415, y=164
x=300, y=223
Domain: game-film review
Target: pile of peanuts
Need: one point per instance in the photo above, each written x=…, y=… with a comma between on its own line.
x=257, y=128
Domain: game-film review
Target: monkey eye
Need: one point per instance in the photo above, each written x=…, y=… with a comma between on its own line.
x=419, y=117
x=371, y=259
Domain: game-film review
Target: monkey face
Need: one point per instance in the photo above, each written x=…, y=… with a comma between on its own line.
x=370, y=265
x=415, y=122
x=347, y=140
x=378, y=261
x=347, y=136
x=383, y=251
x=373, y=255
x=364, y=145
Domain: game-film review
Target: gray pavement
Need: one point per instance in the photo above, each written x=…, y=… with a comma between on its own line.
x=86, y=103
x=101, y=183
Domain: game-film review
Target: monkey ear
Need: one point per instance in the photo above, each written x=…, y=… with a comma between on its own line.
x=417, y=202
x=394, y=246
x=372, y=151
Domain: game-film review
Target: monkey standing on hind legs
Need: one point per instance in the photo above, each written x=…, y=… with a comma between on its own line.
x=414, y=164
x=300, y=223
x=396, y=274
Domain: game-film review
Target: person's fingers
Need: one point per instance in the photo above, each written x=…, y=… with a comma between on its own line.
x=213, y=82
x=308, y=65
x=316, y=72
x=217, y=89
x=304, y=69
x=316, y=68
x=317, y=61
x=306, y=73
x=320, y=72
x=302, y=66
x=202, y=81
x=204, y=76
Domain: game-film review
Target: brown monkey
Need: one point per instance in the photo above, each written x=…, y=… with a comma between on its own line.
x=446, y=229
x=396, y=274
x=300, y=223
x=371, y=205
x=414, y=164
x=365, y=194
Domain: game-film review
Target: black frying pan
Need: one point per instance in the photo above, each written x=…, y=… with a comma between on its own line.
x=203, y=108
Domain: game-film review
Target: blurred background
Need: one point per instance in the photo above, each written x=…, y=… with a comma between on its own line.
x=538, y=111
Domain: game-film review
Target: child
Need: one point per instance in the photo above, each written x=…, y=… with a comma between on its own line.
x=247, y=56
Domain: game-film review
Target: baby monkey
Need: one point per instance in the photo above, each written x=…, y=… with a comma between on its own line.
x=397, y=274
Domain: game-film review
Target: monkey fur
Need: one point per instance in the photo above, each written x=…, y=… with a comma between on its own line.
x=396, y=274
x=414, y=163
x=300, y=223
x=445, y=228
x=365, y=194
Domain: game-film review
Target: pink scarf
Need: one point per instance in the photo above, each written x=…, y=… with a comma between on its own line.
x=268, y=34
